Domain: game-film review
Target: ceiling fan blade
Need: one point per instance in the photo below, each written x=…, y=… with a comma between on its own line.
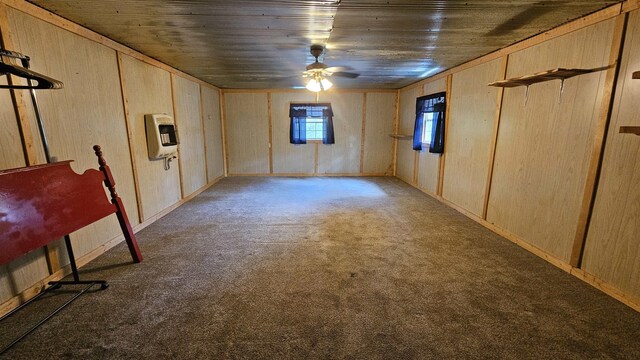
x=335, y=69
x=349, y=75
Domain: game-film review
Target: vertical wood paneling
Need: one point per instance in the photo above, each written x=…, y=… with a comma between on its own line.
x=289, y=158
x=148, y=90
x=405, y=154
x=87, y=111
x=213, y=132
x=470, y=131
x=188, y=119
x=247, y=133
x=11, y=154
x=343, y=157
x=543, y=147
x=428, y=163
x=378, y=145
x=612, y=249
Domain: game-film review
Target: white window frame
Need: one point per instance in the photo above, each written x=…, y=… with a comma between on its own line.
x=427, y=127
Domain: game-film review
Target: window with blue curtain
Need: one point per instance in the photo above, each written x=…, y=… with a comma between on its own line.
x=429, y=125
x=311, y=122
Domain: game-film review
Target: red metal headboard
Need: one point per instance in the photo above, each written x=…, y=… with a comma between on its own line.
x=39, y=204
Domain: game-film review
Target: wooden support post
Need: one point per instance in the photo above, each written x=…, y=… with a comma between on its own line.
x=396, y=124
x=204, y=135
x=364, y=122
x=446, y=133
x=225, y=153
x=494, y=139
x=599, y=139
x=176, y=119
x=130, y=137
x=270, y=133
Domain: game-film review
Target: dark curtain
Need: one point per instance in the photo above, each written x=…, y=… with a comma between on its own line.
x=437, y=135
x=298, y=126
x=434, y=103
x=417, y=128
x=327, y=119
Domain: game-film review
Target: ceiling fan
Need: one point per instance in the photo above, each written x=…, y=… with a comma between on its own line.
x=318, y=72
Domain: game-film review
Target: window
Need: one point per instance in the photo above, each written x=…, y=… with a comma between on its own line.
x=315, y=123
x=429, y=126
x=311, y=122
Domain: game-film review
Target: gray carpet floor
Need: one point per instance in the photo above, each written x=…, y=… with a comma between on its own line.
x=326, y=268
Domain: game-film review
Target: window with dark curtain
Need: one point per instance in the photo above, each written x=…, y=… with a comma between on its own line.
x=311, y=122
x=430, y=112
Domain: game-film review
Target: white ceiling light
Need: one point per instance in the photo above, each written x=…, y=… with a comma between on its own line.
x=318, y=83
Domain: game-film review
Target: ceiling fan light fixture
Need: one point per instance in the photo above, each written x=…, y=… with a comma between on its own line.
x=326, y=84
x=318, y=83
x=313, y=85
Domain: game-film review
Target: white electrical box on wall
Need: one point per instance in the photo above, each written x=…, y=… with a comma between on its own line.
x=162, y=136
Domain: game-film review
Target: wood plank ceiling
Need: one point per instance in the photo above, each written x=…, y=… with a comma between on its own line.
x=251, y=44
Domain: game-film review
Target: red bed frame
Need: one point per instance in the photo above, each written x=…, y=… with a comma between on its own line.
x=40, y=204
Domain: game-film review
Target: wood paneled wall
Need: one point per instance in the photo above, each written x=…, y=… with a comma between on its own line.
x=427, y=168
x=213, y=132
x=188, y=117
x=612, y=251
x=470, y=131
x=290, y=158
x=405, y=164
x=257, y=133
x=543, y=148
x=148, y=91
x=247, y=133
x=108, y=89
x=524, y=162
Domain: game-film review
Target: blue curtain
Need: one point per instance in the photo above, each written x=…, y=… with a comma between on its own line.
x=437, y=135
x=327, y=118
x=417, y=128
x=298, y=126
x=434, y=103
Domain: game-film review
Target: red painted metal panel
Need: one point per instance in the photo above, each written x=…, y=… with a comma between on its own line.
x=39, y=204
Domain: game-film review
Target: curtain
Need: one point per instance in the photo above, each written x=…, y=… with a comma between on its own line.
x=417, y=128
x=434, y=103
x=437, y=135
x=327, y=119
x=298, y=125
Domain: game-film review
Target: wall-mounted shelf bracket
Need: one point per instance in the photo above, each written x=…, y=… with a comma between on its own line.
x=630, y=130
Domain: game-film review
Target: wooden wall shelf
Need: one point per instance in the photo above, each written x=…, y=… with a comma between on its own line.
x=630, y=130
x=636, y=75
x=401, y=136
x=555, y=74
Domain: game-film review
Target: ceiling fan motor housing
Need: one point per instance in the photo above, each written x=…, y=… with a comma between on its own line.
x=316, y=50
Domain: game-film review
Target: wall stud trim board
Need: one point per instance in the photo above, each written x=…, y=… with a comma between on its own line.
x=599, y=136
x=132, y=149
x=494, y=139
x=204, y=134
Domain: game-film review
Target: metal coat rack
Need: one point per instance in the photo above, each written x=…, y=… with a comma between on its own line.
x=42, y=82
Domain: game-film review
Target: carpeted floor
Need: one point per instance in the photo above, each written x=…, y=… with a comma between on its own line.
x=330, y=268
